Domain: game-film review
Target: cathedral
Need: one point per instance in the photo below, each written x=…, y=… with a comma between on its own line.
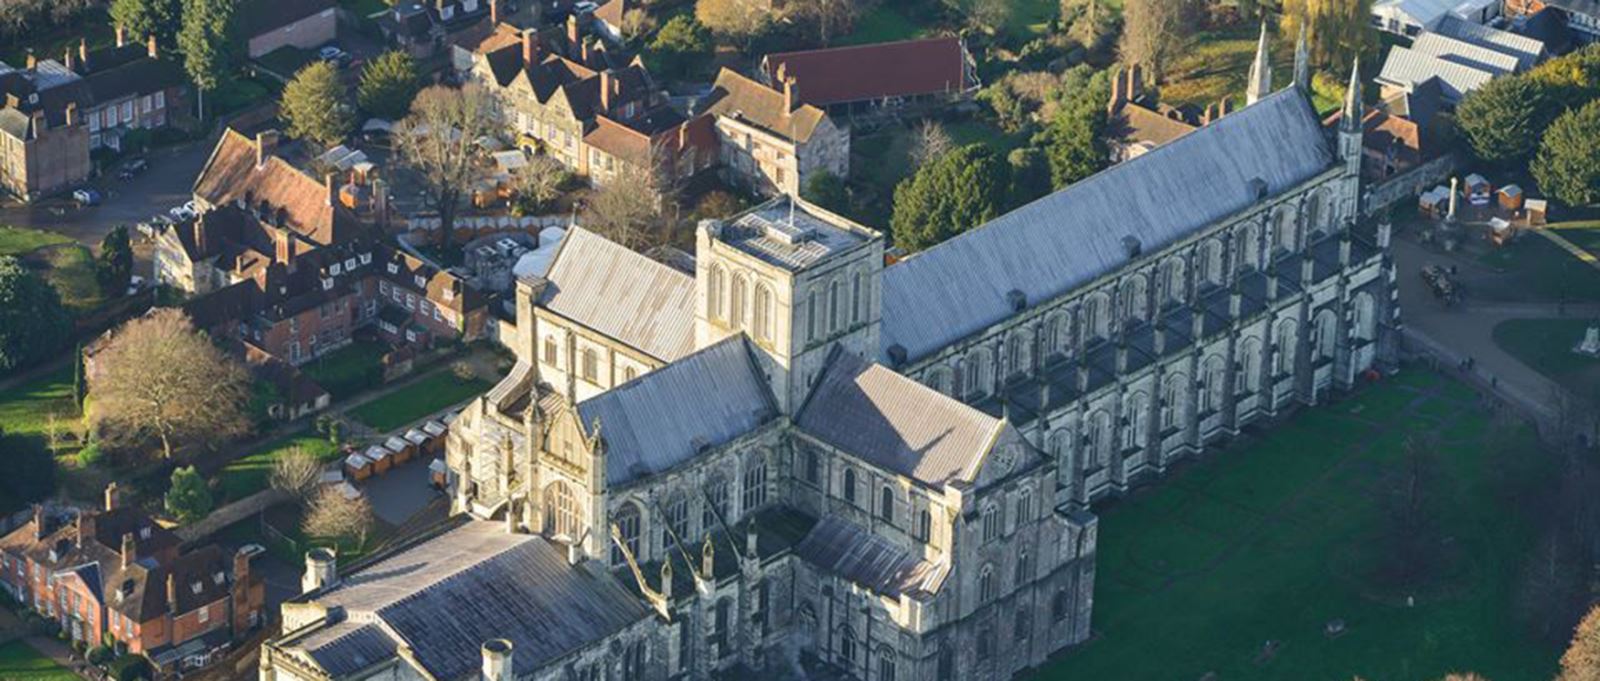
x=802, y=462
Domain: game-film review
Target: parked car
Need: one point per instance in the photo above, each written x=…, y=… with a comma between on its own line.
x=133, y=167
x=333, y=55
x=87, y=197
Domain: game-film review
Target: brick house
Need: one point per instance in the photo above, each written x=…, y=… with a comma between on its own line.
x=114, y=576
x=857, y=77
x=272, y=24
x=1582, y=16
x=130, y=87
x=44, y=145
x=771, y=140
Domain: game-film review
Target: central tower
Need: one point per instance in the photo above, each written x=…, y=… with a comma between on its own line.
x=797, y=280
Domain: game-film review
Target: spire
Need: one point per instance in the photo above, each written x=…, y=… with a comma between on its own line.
x=1350, y=115
x=1302, y=61
x=1260, y=71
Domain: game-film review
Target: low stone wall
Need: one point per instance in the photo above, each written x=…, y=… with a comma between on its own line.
x=1410, y=184
x=230, y=514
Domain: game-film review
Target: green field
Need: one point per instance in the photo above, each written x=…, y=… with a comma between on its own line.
x=419, y=399
x=1545, y=345
x=25, y=409
x=20, y=662
x=17, y=241
x=251, y=473
x=1547, y=272
x=1273, y=539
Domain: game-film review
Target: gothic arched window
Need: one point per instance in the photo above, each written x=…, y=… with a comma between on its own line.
x=561, y=516
x=991, y=522
x=849, y=491
x=677, y=519
x=847, y=645
x=717, y=498
x=1061, y=605
x=736, y=315
x=627, y=522
x=714, y=293
x=1025, y=506
x=987, y=588
x=947, y=664
x=858, y=295
x=813, y=466
x=835, y=312
x=885, y=663
x=924, y=525
x=886, y=504
x=763, y=317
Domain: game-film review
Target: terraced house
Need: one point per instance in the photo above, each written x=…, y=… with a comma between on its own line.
x=865, y=471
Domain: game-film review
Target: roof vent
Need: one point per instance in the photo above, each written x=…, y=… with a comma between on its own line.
x=787, y=232
x=1258, y=188
x=1019, y=300
x=1131, y=246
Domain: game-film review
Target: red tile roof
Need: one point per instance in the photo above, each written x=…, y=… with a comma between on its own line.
x=232, y=174
x=867, y=72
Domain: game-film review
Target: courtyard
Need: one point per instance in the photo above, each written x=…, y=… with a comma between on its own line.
x=1273, y=539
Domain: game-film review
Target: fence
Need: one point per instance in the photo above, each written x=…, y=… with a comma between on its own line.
x=230, y=514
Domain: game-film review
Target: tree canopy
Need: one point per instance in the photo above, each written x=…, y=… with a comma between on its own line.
x=142, y=18
x=738, y=21
x=188, y=499
x=158, y=377
x=960, y=190
x=1581, y=662
x=680, y=49
x=1336, y=30
x=1568, y=164
x=827, y=190
x=206, y=41
x=1502, y=120
x=114, y=268
x=1074, y=140
x=33, y=323
x=388, y=84
x=315, y=106
x=439, y=141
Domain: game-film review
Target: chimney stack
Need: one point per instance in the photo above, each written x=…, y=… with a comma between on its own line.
x=130, y=550
x=122, y=35
x=791, y=95
x=70, y=113
x=266, y=144
x=150, y=47
x=38, y=522
x=83, y=52
x=607, y=83
x=321, y=570
x=494, y=13
x=85, y=528
x=530, y=48
x=172, y=594
x=285, y=246
x=574, y=553
x=70, y=59
x=331, y=188
x=497, y=660
x=573, y=34
x=111, y=496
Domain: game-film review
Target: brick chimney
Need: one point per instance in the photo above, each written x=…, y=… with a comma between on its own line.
x=32, y=61
x=573, y=34
x=284, y=246
x=130, y=549
x=200, y=244
x=607, y=83
x=172, y=595
x=494, y=13
x=150, y=47
x=530, y=48
x=791, y=95
x=266, y=144
x=71, y=113
x=111, y=496
x=70, y=59
x=38, y=522
x=330, y=188
x=241, y=591
x=83, y=52
x=85, y=528
x=122, y=35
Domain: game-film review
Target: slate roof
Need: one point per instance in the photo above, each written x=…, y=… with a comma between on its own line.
x=845, y=549
x=753, y=103
x=666, y=417
x=607, y=287
x=906, y=68
x=896, y=423
x=1074, y=235
x=448, y=594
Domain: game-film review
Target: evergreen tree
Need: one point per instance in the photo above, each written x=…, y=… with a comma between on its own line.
x=314, y=105
x=143, y=18
x=1074, y=141
x=114, y=269
x=680, y=49
x=188, y=499
x=388, y=84
x=827, y=190
x=958, y=191
x=33, y=323
x=1568, y=165
x=1030, y=175
x=206, y=42
x=1502, y=120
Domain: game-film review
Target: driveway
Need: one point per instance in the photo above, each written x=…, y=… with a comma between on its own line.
x=168, y=182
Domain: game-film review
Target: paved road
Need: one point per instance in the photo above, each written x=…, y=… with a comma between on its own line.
x=167, y=183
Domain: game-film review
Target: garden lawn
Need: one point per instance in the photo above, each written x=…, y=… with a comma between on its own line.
x=348, y=370
x=1545, y=270
x=25, y=409
x=253, y=472
x=70, y=269
x=886, y=22
x=1545, y=345
x=1270, y=540
x=20, y=662
x=17, y=241
x=418, y=399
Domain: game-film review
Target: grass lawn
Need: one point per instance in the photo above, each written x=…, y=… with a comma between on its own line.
x=251, y=473
x=428, y=395
x=17, y=241
x=1546, y=270
x=1273, y=539
x=234, y=94
x=20, y=662
x=1545, y=345
x=885, y=23
x=348, y=370
x=70, y=269
x=26, y=409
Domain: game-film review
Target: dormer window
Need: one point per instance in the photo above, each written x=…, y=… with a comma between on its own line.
x=327, y=284
x=197, y=587
x=421, y=283
x=218, y=577
x=349, y=264
x=449, y=294
x=366, y=258
x=144, y=532
x=336, y=269
x=394, y=268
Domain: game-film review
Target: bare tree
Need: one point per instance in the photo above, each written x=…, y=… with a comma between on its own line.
x=990, y=15
x=932, y=141
x=297, y=473
x=161, y=378
x=439, y=140
x=831, y=18
x=627, y=210
x=539, y=183
x=741, y=21
x=1551, y=590
x=1581, y=662
x=1154, y=31
x=637, y=22
x=1413, y=545
x=332, y=515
